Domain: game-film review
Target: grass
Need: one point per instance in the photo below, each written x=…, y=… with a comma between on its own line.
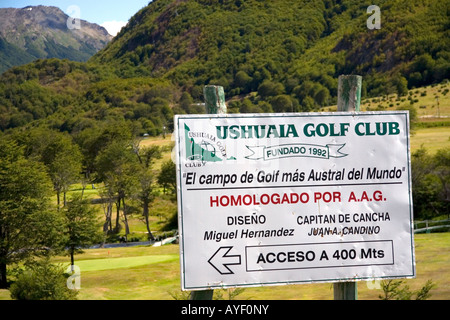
x=154, y=273
x=431, y=139
x=141, y=273
x=431, y=101
x=432, y=104
x=120, y=263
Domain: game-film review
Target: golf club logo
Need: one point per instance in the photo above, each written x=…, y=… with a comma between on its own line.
x=203, y=147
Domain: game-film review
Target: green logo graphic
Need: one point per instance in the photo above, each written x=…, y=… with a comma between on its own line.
x=205, y=151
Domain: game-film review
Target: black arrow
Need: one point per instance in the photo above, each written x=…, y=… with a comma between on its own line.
x=220, y=260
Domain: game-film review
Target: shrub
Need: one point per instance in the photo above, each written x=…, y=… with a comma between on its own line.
x=42, y=280
x=392, y=290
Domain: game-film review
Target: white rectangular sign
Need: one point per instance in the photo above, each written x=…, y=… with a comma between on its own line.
x=271, y=199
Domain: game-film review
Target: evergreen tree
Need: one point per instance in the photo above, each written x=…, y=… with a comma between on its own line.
x=167, y=176
x=81, y=226
x=27, y=225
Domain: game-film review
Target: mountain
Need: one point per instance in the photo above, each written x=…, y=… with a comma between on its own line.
x=270, y=56
x=287, y=44
x=42, y=32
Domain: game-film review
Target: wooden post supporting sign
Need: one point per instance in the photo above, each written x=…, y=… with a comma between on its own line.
x=214, y=104
x=214, y=100
x=349, y=93
x=349, y=99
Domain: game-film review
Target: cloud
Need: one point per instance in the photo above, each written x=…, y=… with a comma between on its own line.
x=113, y=27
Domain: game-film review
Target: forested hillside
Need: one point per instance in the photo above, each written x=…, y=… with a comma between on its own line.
x=291, y=48
x=268, y=55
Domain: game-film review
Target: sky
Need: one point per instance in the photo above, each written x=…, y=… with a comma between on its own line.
x=111, y=15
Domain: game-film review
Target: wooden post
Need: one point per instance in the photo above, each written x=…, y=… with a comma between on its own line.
x=349, y=99
x=214, y=100
x=345, y=291
x=202, y=295
x=349, y=93
x=214, y=104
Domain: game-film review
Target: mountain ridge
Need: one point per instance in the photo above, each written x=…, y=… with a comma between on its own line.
x=42, y=32
x=207, y=41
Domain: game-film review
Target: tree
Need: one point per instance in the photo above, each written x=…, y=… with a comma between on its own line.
x=442, y=170
x=186, y=101
x=118, y=167
x=306, y=89
x=58, y=152
x=243, y=81
x=146, y=157
x=282, y=103
x=167, y=176
x=413, y=118
x=107, y=196
x=269, y=88
x=422, y=64
x=322, y=96
x=27, y=225
x=94, y=140
x=65, y=169
x=401, y=85
x=308, y=104
x=430, y=180
x=81, y=226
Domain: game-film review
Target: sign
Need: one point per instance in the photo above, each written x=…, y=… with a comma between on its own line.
x=272, y=199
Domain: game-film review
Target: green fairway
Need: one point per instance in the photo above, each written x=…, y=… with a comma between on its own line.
x=119, y=263
x=431, y=139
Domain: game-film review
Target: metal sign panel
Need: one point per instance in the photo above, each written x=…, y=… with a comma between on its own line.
x=271, y=199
